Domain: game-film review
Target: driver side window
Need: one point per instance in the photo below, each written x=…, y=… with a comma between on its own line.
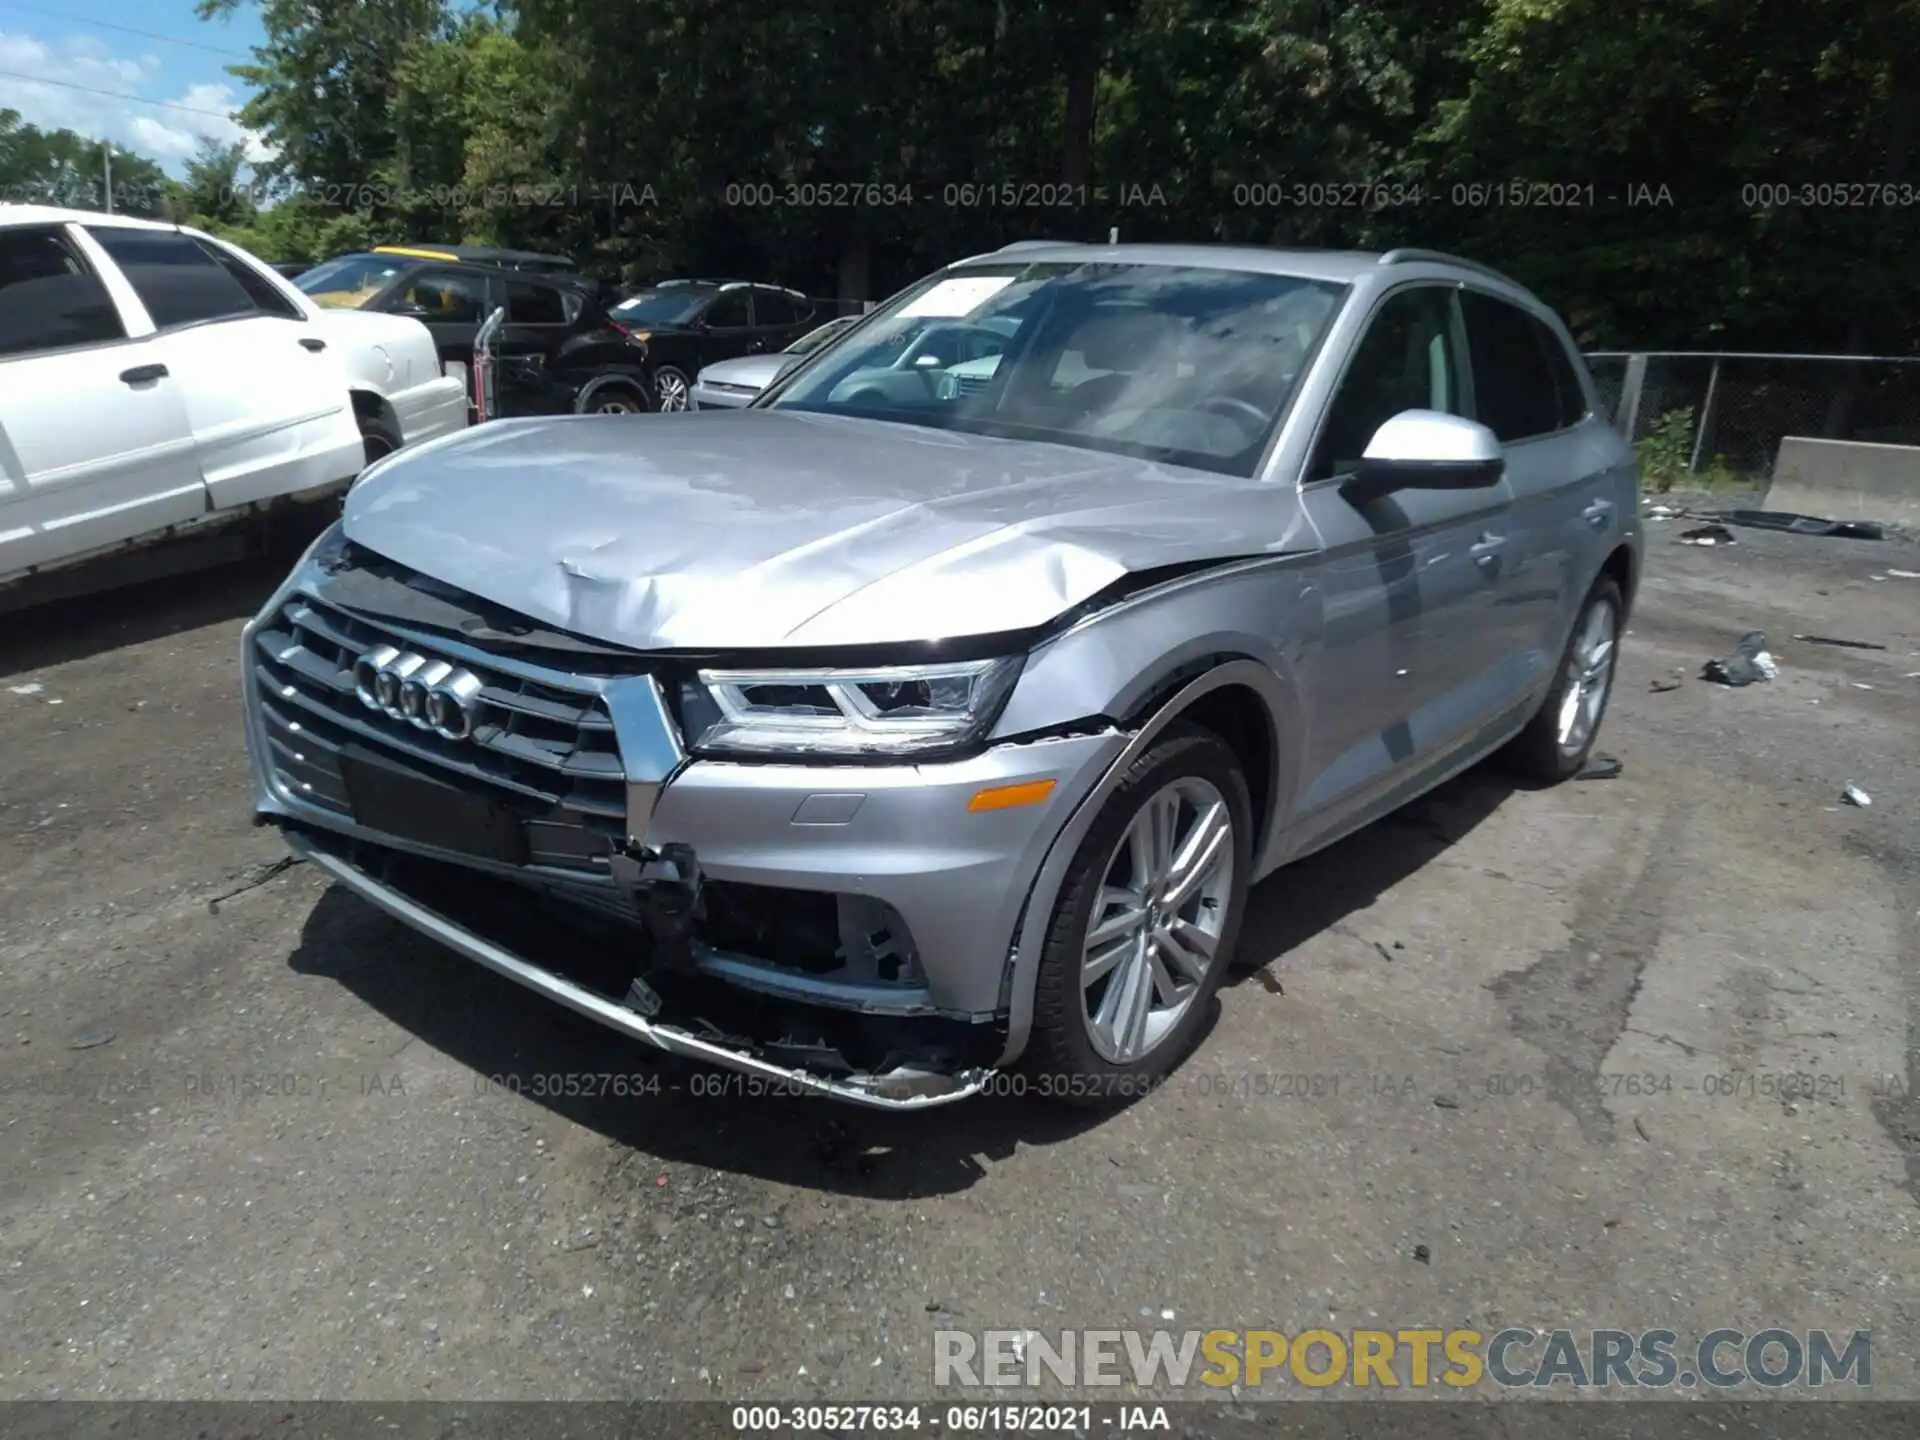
x=1406, y=361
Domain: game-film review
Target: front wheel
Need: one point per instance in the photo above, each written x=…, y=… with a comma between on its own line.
x=1558, y=740
x=1145, y=924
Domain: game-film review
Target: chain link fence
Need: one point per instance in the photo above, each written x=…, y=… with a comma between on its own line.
x=1726, y=414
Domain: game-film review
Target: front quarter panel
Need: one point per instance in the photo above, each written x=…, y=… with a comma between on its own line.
x=1121, y=664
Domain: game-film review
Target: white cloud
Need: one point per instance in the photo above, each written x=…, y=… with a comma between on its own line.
x=170, y=136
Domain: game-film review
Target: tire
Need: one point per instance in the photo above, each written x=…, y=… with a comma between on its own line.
x=612, y=397
x=671, y=389
x=379, y=435
x=1550, y=749
x=1065, y=1058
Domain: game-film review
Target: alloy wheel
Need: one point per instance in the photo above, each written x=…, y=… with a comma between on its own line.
x=673, y=391
x=1588, y=679
x=1157, y=922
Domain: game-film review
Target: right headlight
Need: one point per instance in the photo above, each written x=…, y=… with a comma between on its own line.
x=904, y=710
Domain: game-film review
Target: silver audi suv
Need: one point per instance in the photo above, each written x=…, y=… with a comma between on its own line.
x=926, y=723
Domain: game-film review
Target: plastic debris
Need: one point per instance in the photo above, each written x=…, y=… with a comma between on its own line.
x=1599, y=767
x=1664, y=512
x=31, y=688
x=1708, y=535
x=1802, y=524
x=1905, y=574
x=1846, y=644
x=1750, y=664
x=1660, y=687
x=1854, y=795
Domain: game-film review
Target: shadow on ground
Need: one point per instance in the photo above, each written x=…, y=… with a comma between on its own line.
x=60, y=632
x=505, y=1037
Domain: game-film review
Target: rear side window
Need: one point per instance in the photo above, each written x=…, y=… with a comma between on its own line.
x=774, y=310
x=49, y=298
x=266, y=299
x=536, y=305
x=1517, y=391
x=178, y=282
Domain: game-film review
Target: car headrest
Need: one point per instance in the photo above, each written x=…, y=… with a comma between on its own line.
x=1128, y=341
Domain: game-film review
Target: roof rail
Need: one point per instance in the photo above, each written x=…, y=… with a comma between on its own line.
x=1032, y=245
x=1410, y=255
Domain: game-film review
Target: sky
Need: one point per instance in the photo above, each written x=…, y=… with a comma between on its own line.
x=164, y=71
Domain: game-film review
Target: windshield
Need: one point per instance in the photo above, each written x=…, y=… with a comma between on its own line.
x=814, y=339
x=1187, y=365
x=348, y=282
x=661, y=307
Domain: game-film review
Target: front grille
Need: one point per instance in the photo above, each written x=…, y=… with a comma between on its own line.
x=547, y=751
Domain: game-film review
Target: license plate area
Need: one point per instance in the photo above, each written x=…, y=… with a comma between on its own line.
x=396, y=801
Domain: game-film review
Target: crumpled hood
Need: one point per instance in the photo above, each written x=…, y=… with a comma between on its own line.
x=766, y=529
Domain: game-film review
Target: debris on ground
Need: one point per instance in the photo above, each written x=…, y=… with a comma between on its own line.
x=91, y=1040
x=1423, y=1254
x=1905, y=574
x=1657, y=511
x=1599, y=767
x=1641, y=1130
x=1750, y=664
x=1802, y=524
x=1846, y=644
x=1854, y=795
x=33, y=687
x=1446, y=1102
x=1660, y=687
x=1708, y=535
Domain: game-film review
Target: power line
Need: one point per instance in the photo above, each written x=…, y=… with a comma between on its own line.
x=123, y=29
x=115, y=95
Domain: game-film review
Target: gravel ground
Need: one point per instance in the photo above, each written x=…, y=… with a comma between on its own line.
x=250, y=1147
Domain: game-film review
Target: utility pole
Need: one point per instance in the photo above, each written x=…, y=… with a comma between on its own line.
x=106, y=157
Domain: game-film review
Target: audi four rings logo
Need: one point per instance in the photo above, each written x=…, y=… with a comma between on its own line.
x=430, y=694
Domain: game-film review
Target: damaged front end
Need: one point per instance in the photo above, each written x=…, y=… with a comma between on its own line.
x=531, y=807
x=650, y=985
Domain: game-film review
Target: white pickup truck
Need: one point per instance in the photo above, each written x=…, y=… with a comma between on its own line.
x=156, y=382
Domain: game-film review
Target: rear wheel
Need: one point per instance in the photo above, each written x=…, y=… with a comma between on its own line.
x=1145, y=924
x=1559, y=739
x=670, y=388
x=613, y=397
x=379, y=435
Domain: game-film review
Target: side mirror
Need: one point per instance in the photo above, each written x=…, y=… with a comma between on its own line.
x=1428, y=450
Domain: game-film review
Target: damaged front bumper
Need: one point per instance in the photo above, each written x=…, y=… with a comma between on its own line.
x=837, y=929
x=903, y=1088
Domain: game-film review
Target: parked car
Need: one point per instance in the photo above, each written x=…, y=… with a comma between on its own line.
x=883, y=738
x=292, y=269
x=559, y=354
x=689, y=324
x=155, y=380
x=732, y=383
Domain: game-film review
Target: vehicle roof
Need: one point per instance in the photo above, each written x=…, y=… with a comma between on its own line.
x=1339, y=266
x=11, y=214
x=460, y=267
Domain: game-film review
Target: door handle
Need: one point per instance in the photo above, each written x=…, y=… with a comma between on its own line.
x=1487, y=550
x=309, y=343
x=1597, y=512
x=140, y=374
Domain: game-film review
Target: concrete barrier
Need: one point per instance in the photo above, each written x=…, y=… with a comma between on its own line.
x=1847, y=480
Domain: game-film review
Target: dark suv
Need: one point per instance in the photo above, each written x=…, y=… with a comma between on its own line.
x=687, y=324
x=559, y=352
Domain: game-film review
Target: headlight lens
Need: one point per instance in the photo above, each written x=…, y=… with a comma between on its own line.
x=890, y=710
